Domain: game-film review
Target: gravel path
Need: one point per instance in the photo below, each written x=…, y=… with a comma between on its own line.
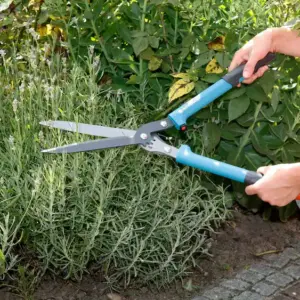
x=277, y=277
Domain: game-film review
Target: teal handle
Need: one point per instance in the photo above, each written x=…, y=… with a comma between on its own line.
x=181, y=114
x=187, y=157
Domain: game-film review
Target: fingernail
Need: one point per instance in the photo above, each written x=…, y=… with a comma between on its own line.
x=246, y=74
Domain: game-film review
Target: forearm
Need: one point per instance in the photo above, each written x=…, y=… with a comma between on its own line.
x=286, y=41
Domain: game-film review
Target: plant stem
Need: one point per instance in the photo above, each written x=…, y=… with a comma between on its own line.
x=165, y=38
x=176, y=28
x=142, y=30
x=247, y=134
x=101, y=43
x=38, y=15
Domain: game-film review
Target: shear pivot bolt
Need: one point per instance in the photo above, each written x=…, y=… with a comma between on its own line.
x=144, y=136
x=163, y=123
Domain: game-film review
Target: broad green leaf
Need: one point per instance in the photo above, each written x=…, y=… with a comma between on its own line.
x=135, y=9
x=286, y=156
x=252, y=202
x=267, y=113
x=165, y=67
x=188, y=40
x=147, y=54
x=174, y=2
x=267, y=82
x=256, y=92
x=288, y=211
x=5, y=4
x=43, y=17
x=237, y=107
x=167, y=52
x=199, y=48
x=260, y=146
x=232, y=131
x=124, y=32
x=88, y=14
x=138, y=34
x=140, y=44
x=202, y=60
x=279, y=130
x=184, y=53
x=223, y=59
x=210, y=78
x=211, y=136
x=200, y=86
x=232, y=41
x=225, y=148
x=134, y=79
x=253, y=161
x=275, y=98
x=153, y=41
x=154, y=63
x=236, y=158
x=237, y=92
x=180, y=88
x=272, y=141
x=293, y=148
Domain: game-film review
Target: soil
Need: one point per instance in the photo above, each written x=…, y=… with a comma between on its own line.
x=240, y=243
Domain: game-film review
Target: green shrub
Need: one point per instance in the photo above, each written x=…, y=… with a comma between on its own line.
x=129, y=213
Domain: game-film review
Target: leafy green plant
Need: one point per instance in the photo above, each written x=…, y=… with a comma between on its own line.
x=131, y=214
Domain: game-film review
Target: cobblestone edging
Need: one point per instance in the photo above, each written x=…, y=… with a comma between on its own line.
x=277, y=277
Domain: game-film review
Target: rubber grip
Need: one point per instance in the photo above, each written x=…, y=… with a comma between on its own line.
x=252, y=177
x=236, y=76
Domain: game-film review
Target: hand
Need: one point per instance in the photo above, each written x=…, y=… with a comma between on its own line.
x=279, y=186
x=251, y=53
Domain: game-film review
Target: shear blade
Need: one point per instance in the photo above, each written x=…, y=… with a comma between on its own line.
x=93, y=145
x=95, y=130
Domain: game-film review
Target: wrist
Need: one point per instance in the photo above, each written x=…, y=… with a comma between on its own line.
x=294, y=173
x=276, y=34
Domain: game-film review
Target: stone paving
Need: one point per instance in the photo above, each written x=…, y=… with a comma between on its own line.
x=277, y=277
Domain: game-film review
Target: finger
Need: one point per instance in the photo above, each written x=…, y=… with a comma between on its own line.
x=251, y=63
x=263, y=170
x=251, y=79
x=258, y=74
x=251, y=190
x=237, y=60
x=262, y=70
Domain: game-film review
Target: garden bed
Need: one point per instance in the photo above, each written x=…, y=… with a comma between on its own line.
x=239, y=244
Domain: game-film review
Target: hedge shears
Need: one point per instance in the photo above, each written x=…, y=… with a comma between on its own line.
x=147, y=135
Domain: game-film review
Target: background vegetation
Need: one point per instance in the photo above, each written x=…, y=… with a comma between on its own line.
x=118, y=63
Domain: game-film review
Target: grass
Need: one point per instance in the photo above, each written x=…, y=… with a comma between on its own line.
x=131, y=214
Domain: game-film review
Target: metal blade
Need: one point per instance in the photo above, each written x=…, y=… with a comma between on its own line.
x=89, y=129
x=93, y=145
